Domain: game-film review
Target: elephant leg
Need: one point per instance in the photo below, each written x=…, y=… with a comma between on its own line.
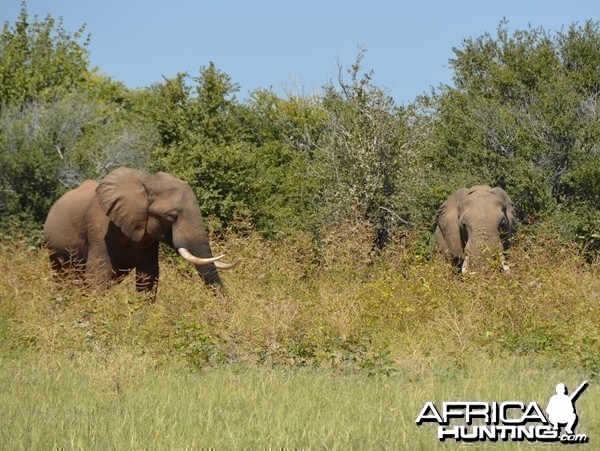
x=146, y=271
x=98, y=268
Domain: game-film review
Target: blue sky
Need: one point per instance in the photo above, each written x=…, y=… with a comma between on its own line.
x=293, y=46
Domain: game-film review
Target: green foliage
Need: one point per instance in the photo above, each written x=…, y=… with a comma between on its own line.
x=248, y=163
x=59, y=123
x=49, y=146
x=194, y=345
x=28, y=169
x=40, y=59
x=523, y=114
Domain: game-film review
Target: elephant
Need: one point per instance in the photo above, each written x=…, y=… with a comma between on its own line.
x=106, y=229
x=472, y=220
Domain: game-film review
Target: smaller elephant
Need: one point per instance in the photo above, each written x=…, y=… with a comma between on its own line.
x=473, y=220
x=107, y=229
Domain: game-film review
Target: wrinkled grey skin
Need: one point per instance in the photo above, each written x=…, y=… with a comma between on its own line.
x=107, y=229
x=473, y=220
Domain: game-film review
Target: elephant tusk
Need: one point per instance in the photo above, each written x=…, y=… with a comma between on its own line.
x=465, y=265
x=223, y=265
x=505, y=266
x=197, y=260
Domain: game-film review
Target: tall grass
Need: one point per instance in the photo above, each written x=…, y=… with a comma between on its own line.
x=335, y=304
x=122, y=401
x=313, y=344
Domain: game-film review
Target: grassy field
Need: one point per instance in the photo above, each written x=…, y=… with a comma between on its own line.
x=328, y=347
x=122, y=401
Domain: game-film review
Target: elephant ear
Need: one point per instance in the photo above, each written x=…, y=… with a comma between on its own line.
x=446, y=219
x=124, y=199
x=511, y=216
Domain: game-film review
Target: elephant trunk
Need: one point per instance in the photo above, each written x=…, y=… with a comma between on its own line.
x=210, y=275
x=481, y=248
x=208, y=272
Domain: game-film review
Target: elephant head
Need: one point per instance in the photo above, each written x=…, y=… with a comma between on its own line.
x=472, y=221
x=149, y=208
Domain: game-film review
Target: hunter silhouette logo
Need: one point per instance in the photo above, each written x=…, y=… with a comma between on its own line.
x=507, y=421
x=561, y=407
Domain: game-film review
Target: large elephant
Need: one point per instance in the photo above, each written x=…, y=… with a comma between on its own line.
x=109, y=228
x=472, y=220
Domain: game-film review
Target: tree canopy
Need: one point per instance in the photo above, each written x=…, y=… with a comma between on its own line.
x=522, y=113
